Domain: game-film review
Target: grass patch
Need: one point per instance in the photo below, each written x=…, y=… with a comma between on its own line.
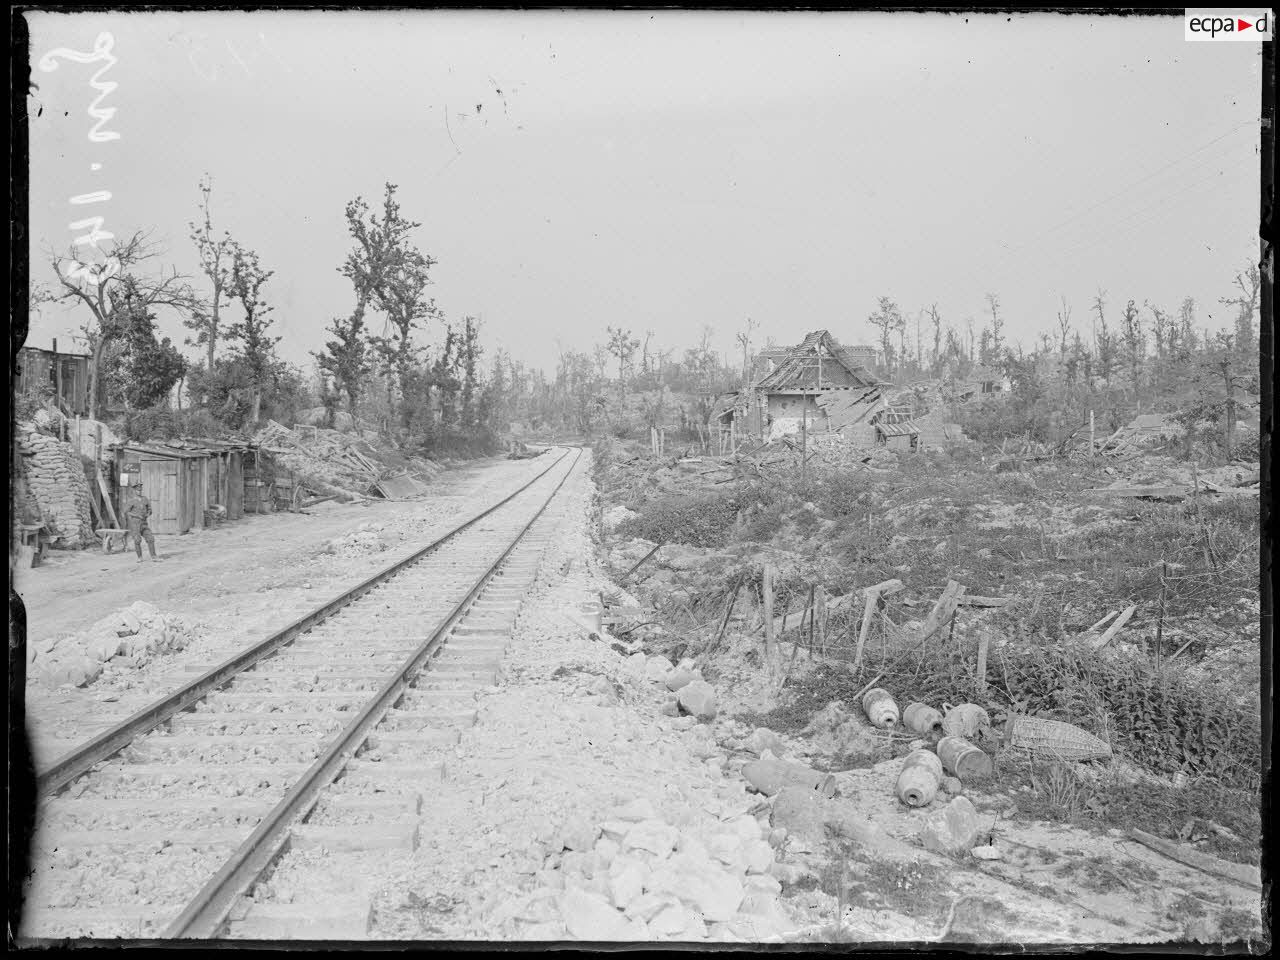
x=1156, y=809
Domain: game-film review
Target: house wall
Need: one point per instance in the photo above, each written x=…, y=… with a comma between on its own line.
x=37, y=367
x=793, y=405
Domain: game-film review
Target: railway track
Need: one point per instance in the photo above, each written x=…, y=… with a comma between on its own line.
x=321, y=737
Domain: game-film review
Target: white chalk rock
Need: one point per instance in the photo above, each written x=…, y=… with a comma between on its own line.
x=652, y=835
x=627, y=876
x=634, y=811
x=656, y=668
x=590, y=917
x=699, y=699
x=715, y=893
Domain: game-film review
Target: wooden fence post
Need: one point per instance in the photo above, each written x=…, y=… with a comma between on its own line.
x=767, y=598
x=984, y=640
x=820, y=619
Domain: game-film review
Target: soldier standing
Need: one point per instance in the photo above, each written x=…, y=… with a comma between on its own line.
x=136, y=511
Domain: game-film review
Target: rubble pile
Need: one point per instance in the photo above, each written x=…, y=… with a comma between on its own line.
x=128, y=638
x=836, y=450
x=331, y=462
x=55, y=480
x=364, y=540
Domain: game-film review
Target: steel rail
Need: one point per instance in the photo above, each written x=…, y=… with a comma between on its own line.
x=207, y=911
x=106, y=744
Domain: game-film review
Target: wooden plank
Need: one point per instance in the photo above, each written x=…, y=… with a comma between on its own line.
x=973, y=600
x=106, y=496
x=767, y=597
x=871, y=601
x=639, y=563
x=1101, y=623
x=1121, y=620
x=984, y=640
x=1243, y=874
x=943, y=610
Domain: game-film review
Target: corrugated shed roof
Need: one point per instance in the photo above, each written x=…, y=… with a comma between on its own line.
x=162, y=450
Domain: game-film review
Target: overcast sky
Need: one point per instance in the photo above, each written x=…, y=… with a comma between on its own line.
x=661, y=172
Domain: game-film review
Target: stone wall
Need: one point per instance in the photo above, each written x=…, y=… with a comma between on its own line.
x=55, y=479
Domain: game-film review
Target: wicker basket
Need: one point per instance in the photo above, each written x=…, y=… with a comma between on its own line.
x=1063, y=741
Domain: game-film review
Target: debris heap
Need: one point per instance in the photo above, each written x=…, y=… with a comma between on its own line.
x=330, y=462
x=126, y=638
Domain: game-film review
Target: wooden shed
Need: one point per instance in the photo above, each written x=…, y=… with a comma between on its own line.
x=174, y=479
x=226, y=477
x=259, y=481
x=225, y=472
x=64, y=375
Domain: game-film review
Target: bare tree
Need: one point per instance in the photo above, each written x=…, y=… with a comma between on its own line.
x=1246, y=303
x=623, y=346
x=744, y=340
x=1134, y=342
x=997, y=325
x=250, y=335
x=888, y=320
x=1064, y=326
x=112, y=291
x=215, y=263
x=378, y=246
x=936, y=319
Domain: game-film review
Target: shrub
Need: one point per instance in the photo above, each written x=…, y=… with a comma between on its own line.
x=162, y=423
x=697, y=520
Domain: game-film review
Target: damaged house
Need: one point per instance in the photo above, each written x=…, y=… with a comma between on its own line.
x=819, y=385
x=824, y=387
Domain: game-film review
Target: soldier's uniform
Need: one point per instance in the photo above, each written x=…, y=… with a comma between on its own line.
x=136, y=511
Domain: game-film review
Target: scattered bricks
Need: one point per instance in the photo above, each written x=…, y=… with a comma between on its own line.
x=699, y=699
x=953, y=829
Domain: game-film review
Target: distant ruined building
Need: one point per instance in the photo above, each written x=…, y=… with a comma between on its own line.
x=823, y=387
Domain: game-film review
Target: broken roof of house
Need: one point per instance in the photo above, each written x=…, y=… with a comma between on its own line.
x=818, y=363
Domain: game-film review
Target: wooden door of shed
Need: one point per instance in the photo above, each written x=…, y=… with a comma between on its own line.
x=160, y=485
x=235, y=485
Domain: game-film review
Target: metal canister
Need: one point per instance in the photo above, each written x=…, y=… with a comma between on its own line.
x=921, y=719
x=769, y=775
x=964, y=720
x=918, y=781
x=880, y=708
x=963, y=760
